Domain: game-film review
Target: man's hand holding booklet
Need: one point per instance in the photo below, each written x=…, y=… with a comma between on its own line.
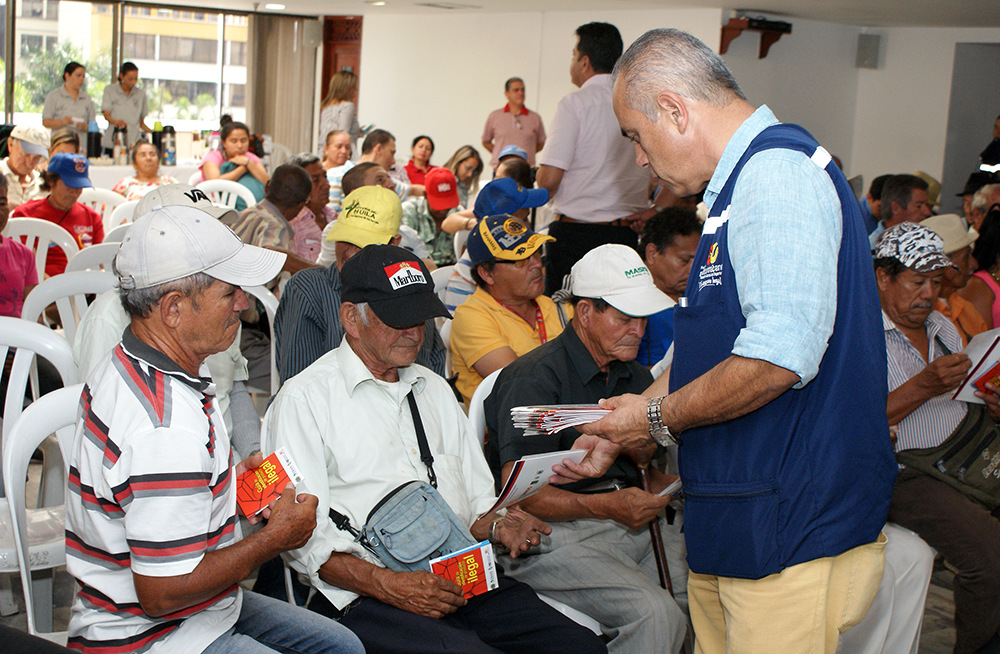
x=984, y=353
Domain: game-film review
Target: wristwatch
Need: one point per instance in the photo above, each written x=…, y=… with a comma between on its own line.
x=658, y=431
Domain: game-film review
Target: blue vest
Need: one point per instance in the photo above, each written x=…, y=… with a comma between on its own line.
x=810, y=474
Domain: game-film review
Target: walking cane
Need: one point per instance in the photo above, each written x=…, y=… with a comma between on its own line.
x=657, y=536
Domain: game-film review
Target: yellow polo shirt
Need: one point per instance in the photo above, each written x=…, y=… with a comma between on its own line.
x=482, y=325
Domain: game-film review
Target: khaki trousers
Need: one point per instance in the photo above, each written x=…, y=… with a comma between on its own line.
x=802, y=609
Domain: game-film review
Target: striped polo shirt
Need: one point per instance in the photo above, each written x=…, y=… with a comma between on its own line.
x=151, y=491
x=936, y=418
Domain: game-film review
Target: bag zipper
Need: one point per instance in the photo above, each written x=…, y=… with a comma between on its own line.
x=388, y=497
x=957, y=447
x=766, y=491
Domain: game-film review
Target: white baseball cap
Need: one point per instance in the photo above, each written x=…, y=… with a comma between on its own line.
x=33, y=140
x=183, y=195
x=617, y=275
x=173, y=242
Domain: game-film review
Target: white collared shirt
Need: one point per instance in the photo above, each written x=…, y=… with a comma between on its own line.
x=353, y=440
x=601, y=181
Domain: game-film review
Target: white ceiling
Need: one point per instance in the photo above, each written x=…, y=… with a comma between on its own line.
x=870, y=13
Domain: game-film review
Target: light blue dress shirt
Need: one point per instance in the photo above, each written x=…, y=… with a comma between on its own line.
x=785, y=227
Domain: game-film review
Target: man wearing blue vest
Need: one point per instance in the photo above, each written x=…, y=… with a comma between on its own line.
x=778, y=388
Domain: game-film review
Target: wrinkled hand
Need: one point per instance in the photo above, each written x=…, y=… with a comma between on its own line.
x=659, y=481
x=602, y=453
x=67, y=120
x=420, y=592
x=944, y=373
x=626, y=425
x=633, y=507
x=520, y=531
x=82, y=126
x=292, y=518
x=992, y=401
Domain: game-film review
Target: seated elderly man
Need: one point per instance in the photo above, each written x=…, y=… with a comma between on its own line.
x=510, y=192
x=101, y=328
x=267, y=224
x=599, y=557
x=368, y=173
x=363, y=420
x=508, y=315
x=958, y=241
x=925, y=364
x=310, y=222
x=307, y=324
x=151, y=530
x=26, y=146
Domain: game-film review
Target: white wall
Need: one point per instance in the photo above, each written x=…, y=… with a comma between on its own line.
x=442, y=75
x=808, y=78
x=902, y=110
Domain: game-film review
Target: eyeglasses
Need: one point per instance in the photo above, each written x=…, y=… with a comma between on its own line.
x=521, y=263
x=517, y=121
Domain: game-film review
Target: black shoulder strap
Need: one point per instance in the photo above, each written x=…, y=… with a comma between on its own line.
x=425, y=450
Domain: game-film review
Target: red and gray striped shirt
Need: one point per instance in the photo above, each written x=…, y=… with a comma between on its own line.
x=151, y=489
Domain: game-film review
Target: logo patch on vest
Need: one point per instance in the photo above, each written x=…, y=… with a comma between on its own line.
x=404, y=273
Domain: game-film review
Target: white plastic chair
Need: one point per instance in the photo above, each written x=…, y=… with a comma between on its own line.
x=440, y=278
x=477, y=415
x=279, y=153
x=225, y=192
x=38, y=536
x=124, y=213
x=445, y=331
x=103, y=202
x=40, y=233
x=96, y=257
x=461, y=236
x=196, y=178
x=68, y=292
x=116, y=235
x=270, y=303
x=31, y=339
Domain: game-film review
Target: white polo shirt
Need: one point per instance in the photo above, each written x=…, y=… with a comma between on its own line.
x=601, y=181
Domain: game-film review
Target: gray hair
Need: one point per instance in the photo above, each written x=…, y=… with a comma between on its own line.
x=362, y=308
x=664, y=59
x=981, y=199
x=140, y=302
x=303, y=159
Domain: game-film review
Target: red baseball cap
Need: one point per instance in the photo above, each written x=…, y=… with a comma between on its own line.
x=441, y=189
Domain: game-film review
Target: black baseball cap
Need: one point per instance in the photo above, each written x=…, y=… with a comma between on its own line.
x=395, y=283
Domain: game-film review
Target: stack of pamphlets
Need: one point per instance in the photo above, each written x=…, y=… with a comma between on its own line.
x=543, y=420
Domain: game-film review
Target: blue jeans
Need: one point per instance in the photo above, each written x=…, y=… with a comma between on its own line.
x=267, y=625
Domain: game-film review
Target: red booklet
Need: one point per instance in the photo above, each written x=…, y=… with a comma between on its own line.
x=474, y=569
x=257, y=487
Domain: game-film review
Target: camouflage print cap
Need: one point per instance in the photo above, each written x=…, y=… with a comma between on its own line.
x=915, y=246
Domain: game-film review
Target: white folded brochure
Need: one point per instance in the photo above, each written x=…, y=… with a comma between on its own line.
x=539, y=420
x=529, y=475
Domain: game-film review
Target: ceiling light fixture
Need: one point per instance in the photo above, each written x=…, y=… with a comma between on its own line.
x=274, y=7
